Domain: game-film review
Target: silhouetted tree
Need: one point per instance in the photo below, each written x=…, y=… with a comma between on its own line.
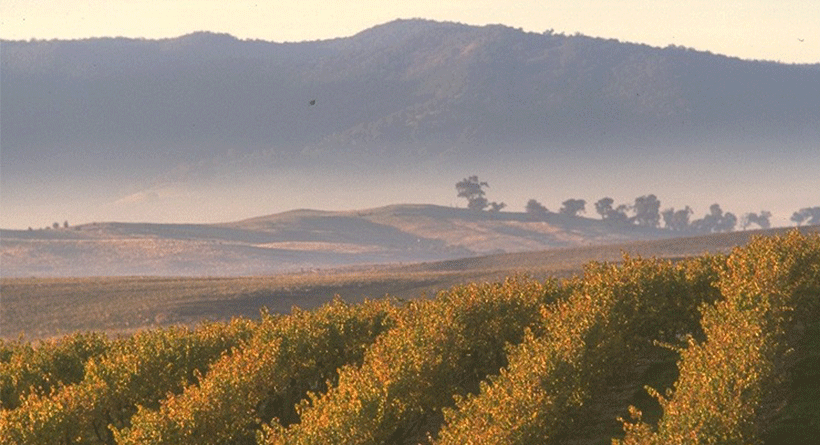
x=496, y=207
x=710, y=221
x=56, y=225
x=677, y=220
x=727, y=223
x=646, y=211
x=473, y=190
x=808, y=215
x=761, y=220
x=535, y=208
x=65, y=224
x=604, y=206
x=479, y=204
x=616, y=215
x=715, y=221
x=572, y=207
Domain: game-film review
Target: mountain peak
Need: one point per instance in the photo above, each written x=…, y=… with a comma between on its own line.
x=400, y=30
x=207, y=36
x=398, y=26
x=201, y=39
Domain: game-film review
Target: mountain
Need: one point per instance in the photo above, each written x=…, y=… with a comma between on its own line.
x=91, y=124
x=405, y=82
x=297, y=240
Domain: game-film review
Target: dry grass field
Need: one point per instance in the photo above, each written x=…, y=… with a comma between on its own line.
x=38, y=308
x=298, y=240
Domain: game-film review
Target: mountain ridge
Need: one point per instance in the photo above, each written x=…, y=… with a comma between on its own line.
x=441, y=65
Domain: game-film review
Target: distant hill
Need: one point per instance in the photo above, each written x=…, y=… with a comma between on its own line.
x=297, y=240
x=407, y=89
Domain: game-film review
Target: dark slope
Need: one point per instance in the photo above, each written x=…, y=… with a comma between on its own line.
x=406, y=90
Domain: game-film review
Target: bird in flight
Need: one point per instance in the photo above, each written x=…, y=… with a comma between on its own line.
x=312, y=102
x=800, y=40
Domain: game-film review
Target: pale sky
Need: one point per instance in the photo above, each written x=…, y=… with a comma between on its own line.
x=779, y=30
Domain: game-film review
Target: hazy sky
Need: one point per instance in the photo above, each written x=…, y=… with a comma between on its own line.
x=783, y=30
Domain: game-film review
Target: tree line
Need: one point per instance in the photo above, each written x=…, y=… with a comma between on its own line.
x=645, y=212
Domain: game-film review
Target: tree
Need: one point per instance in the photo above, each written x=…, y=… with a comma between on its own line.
x=616, y=215
x=604, y=206
x=572, y=207
x=478, y=204
x=535, y=208
x=496, y=207
x=761, y=220
x=65, y=224
x=473, y=190
x=646, y=211
x=715, y=221
x=677, y=220
x=808, y=215
x=727, y=223
x=56, y=225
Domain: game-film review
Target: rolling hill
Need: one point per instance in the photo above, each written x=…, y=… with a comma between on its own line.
x=297, y=240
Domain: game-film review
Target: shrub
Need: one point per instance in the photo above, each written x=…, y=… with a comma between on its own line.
x=288, y=356
x=771, y=290
x=439, y=348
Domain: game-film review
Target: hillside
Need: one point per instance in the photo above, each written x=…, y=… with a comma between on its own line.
x=206, y=124
x=405, y=83
x=568, y=260
x=297, y=240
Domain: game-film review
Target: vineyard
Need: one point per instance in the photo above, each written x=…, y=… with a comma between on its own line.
x=717, y=349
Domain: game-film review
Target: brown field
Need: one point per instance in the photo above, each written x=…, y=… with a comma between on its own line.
x=37, y=308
